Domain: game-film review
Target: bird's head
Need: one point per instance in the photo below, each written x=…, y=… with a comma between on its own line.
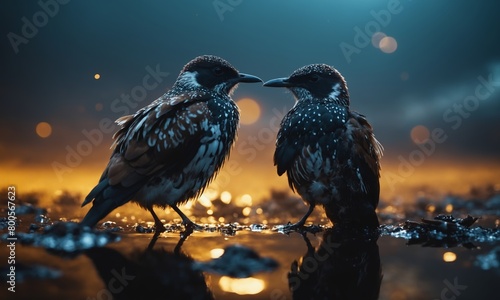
x=213, y=73
x=316, y=81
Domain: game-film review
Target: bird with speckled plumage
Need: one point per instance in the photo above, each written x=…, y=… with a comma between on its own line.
x=328, y=151
x=169, y=151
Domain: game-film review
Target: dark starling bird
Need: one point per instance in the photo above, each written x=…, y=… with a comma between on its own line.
x=169, y=151
x=329, y=152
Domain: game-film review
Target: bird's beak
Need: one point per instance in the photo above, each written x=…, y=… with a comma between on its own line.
x=248, y=78
x=278, y=82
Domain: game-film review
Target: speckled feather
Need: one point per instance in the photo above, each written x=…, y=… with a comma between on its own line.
x=319, y=69
x=170, y=150
x=160, y=142
x=329, y=152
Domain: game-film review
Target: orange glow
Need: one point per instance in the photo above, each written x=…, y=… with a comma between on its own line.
x=244, y=200
x=388, y=44
x=436, y=176
x=250, y=111
x=419, y=134
x=459, y=178
x=247, y=181
x=97, y=76
x=398, y=295
x=43, y=129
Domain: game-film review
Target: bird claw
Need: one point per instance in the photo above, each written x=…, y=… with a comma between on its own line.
x=190, y=228
x=286, y=229
x=299, y=227
x=294, y=227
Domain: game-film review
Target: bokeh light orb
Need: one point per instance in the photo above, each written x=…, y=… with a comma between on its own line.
x=99, y=106
x=43, y=129
x=242, y=286
x=388, y=44
x=249, y=111
x=216, y=252
x=419, y=134
x=225, y=197
x=97, y=76
x=449, y=257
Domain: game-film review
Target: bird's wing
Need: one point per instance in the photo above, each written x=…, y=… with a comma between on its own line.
x=365, y=144
x=366, y=153
x=161, y=136
x=288, y=141
x=298, y=140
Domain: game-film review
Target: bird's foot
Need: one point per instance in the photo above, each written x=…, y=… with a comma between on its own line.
x=193, y=226
x=300, y=228
x=190, y=225
x=286, y=229
x=190, y=228
x=294, y=226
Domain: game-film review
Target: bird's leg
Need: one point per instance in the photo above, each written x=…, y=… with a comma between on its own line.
x=158, y=224
x=153, y=241
x=184, y=236
x=185, y=220
x=302, y=221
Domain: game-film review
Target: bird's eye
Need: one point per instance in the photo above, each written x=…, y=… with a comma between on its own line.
x=314, y=78
x=218, y=71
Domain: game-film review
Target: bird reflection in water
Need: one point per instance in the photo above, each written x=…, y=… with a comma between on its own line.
x=346, y=265
x=160, y=274
x=151, y=274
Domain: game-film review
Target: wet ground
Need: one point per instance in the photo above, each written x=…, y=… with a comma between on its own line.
x=433, y=256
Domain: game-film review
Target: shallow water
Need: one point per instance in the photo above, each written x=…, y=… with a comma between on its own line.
x=328, y=262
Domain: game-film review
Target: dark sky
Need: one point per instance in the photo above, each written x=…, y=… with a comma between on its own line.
x=444, y=51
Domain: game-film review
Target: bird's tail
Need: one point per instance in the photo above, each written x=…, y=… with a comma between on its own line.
x=105, y=199
x=97, y=212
